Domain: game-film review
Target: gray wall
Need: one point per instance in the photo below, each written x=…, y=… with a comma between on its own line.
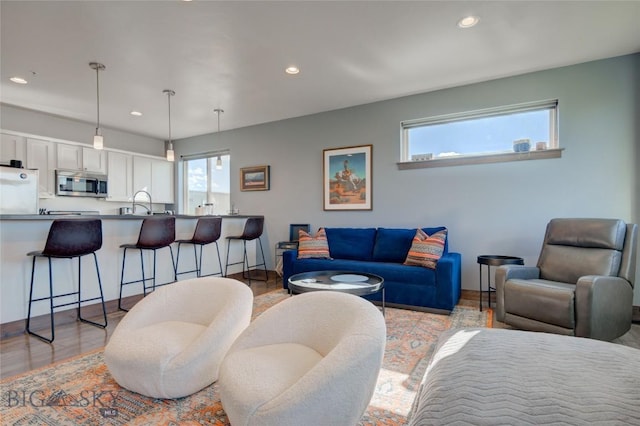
x=493, y=208
x=52, y=126
x=489, y=209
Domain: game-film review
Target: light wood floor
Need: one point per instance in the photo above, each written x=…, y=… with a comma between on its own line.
x=23, y=353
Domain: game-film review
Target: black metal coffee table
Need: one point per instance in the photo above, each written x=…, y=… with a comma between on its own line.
x=356, y=283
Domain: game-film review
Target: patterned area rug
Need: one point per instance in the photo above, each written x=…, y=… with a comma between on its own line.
x=80, y=391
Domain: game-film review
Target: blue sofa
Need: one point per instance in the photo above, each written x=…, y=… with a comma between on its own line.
x=382, y=251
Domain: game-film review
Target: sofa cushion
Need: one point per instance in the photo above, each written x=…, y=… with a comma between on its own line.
x=351, y=243
x=426, y=249
x=313, y=247
x=392, y=245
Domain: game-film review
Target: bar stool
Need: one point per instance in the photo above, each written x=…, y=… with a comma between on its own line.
x=68, y=238
x=207, y=231
x=155, y=233
x=252, y=231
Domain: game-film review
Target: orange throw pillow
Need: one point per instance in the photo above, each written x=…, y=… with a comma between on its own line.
x=426, y=250
x=313, y=247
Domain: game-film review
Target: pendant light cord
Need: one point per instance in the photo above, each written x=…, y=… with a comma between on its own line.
x=98, y=96
x=169, y=98
x=169, y=93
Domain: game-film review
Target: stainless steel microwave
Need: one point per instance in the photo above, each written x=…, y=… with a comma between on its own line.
x=81, y=184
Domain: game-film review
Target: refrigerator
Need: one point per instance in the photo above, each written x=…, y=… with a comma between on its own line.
x=18, y=191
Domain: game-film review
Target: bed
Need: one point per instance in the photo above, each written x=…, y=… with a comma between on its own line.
x=497, y=376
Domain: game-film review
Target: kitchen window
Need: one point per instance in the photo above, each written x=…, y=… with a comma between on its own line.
x=509, y=133
x=207, y=183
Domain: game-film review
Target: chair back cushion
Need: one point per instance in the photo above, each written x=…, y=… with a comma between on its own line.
x=157, y=232
x=574, y=248
x=253, y=228
x=208, y=230
x=73, y=237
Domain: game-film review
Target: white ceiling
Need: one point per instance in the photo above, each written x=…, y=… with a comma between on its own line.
x=232, y=55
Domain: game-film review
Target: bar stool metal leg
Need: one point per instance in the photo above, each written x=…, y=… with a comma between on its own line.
x=104, y=310
x=53, y=296
x=51, y=306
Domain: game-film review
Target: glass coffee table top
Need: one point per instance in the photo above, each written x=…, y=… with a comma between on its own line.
x=358, y=283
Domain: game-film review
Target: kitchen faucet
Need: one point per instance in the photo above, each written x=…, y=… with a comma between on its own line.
x=134, y=204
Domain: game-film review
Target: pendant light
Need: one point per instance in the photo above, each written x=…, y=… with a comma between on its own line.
x=170, y=153
x=218, y=111
x=98, y=140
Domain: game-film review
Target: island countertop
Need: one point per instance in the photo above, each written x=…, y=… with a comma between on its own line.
x=21, y=234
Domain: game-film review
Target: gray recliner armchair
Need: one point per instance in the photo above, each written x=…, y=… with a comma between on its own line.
x=582, y=284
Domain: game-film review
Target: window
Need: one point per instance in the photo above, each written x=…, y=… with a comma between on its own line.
x=207, y=181
x=482, y=133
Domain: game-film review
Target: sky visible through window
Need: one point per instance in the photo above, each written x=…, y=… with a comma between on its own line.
x=220, y=179
x=480, y=135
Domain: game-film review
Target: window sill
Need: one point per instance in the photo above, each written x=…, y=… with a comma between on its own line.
x=462, y=160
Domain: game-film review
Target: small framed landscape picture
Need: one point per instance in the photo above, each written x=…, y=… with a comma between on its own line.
x=347, y=178
x=254, y=178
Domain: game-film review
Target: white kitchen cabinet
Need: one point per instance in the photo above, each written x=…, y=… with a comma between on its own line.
x=69, y=156
x=141, y=174
x=155, y=177
x=94, y=160
x=162, y=181
x=41, y=156
x=75, y=157
x=12, y=148
x=120, y=172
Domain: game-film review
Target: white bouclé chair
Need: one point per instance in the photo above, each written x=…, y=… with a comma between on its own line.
x=171, y=343
x=312, y=359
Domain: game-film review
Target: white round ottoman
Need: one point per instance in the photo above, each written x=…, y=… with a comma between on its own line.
x=172, y=342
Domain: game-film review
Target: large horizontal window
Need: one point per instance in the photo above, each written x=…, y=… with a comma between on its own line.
x=491, y=132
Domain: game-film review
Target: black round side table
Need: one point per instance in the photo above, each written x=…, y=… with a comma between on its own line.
x=494, y=260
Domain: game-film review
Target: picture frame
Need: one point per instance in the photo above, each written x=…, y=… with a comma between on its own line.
x=347, y=178
x=294, y=230
x=254, y=178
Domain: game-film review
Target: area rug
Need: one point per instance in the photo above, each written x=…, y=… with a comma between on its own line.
x=80, y=391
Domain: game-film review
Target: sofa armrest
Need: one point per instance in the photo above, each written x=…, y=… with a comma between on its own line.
x=604, y=307
x=505, y=273
x=288, y=258
x=448, y=279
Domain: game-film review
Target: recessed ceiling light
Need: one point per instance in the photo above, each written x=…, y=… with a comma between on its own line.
x=292, y=70
x=468, y=21
x=18, y=80
x=136, y=113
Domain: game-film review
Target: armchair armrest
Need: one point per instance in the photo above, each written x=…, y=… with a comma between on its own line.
x=508, y=272
x=604, y=307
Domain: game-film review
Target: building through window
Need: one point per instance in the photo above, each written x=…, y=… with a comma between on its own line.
x=485, y=132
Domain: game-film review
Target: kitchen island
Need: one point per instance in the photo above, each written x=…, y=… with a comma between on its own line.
x=20, y=234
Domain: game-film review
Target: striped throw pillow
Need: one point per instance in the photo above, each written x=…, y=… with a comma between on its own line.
x=313, y=247
x=426, y=250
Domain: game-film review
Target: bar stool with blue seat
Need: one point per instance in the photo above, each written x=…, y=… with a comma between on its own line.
x=67, y=239
x=252, y=231
x=156, y=233
x=208, y=230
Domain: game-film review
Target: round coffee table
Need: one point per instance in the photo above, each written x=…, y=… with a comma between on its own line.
x=356, y=283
